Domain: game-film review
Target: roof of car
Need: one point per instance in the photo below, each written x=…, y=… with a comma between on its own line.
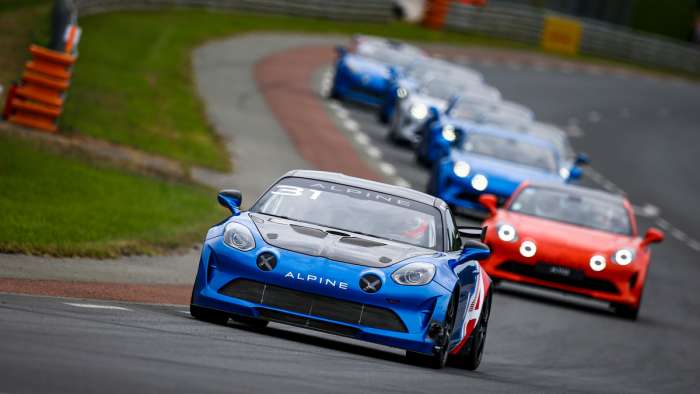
x=582, y=190
x=398, y=191
x=505, y=132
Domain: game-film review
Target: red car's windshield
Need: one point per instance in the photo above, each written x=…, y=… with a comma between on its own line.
x=567, y=207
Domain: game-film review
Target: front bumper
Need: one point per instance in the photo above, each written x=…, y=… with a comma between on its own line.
x=294, y=300
x=614, y=284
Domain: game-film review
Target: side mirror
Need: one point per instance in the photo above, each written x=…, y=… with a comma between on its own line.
x=473, y=250
x=472, y=232
x=652, y=236
x=582, y=159
x=231, y=199
x=341, y=50
x=575, y=173
x=490, y=202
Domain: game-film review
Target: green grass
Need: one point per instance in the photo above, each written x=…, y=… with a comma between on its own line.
x=58, y=205
x=21, y=23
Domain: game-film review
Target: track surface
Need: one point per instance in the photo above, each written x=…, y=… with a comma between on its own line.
x=641, y=134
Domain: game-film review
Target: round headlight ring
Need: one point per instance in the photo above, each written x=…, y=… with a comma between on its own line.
x=528, y=248
x=448, y=133
x=419, y=111
x=597, y=263
x=506, y=233
x=462, y=169
x=623, y=256
x=480, y=182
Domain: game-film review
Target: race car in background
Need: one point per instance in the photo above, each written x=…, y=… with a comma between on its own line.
x=353, y=257
x=363, y=73
x=424, y=71
x=572, y=239
x=444, y=129
x=494, y=161
x=412, y=106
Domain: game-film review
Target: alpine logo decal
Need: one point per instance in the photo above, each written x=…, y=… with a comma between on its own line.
x=317, y=279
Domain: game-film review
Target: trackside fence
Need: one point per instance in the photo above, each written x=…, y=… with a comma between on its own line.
x=357, y=10
x=525, y=24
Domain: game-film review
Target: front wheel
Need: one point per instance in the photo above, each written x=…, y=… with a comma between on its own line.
x=470, y=357
x=439, y=357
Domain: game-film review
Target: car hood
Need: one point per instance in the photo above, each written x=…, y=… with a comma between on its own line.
x=507, y=171
x=429, y=101
x=321, y=241
x=566, y=237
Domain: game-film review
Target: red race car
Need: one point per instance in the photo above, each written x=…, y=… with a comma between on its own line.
x=570, y=238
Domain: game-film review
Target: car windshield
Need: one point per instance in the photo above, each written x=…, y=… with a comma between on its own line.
x=440, y=88
x=511, y=149
x=354, y=210
x=573, y=208
x=386, y=55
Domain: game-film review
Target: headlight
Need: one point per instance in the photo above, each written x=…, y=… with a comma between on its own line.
x=597, y=262
x=507, y=233
x=414, y=274
x=462, y=169
x=528, y=248
x=623, y=256
x=480, y=182
x=401, y=93
x=448, y=133
x=239, y=237
x=564, y=173
x=419, y=111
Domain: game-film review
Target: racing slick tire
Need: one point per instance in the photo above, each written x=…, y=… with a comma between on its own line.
x=439, y=357
x=470, y=356
x=251, y=322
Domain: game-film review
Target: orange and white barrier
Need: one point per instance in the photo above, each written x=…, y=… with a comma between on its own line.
x=37, y=101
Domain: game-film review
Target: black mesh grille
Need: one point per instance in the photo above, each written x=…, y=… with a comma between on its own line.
x=310, y=323
x=313, y=305
x=577, y=281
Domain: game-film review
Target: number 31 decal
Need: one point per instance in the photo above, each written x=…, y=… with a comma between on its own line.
x=294, y=191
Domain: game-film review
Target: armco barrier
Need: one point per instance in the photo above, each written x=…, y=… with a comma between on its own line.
x=359, y=10
x=526, y=23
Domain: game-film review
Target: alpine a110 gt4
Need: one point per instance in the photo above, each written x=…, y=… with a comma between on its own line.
x=353, y=257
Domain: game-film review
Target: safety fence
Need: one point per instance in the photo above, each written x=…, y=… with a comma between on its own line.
x=527, y=24
x=358, y=10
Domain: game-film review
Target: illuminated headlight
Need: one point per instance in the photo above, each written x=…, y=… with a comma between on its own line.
x=480, y=182
x=448, y=133
x=239, y=237
x=414, y=274
x=419, y=111
x=401, y=93
x=507, y=233
x=597, y=263
x=462, y=169
x=623, y=256
x=564, y=172
x=528, y=248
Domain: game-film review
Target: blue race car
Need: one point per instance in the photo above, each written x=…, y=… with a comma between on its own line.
x=364, y=73
x=494, y=161
x=358, y=258
x=444, y=128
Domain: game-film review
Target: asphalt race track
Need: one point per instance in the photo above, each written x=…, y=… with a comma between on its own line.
x=642, y=135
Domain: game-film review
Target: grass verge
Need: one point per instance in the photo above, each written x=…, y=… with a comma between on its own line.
x=58, y=205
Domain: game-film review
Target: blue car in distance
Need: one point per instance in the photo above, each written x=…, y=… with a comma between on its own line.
x=494, y=161
x=352, y=257
x=364, y=73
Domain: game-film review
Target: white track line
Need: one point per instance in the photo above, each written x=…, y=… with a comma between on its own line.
x=387, y=168
x=96, y=306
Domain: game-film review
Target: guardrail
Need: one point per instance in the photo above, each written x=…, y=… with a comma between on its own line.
x=525, y=24
x=360, y=10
